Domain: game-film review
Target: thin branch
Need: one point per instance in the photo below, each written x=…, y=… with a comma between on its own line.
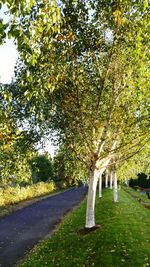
x=79, y=157
x=126, y=158
x=109, y=157
x=103, y=79
x=125, y=145
x=82, y=124
x=105, y=130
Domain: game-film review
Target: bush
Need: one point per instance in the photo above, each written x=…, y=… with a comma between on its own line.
x=136, y=187
x=148, y=194
x=61, y=184
x=13, y=195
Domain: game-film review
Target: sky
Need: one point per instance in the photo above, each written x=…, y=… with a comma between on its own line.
x=8, y=58
x=8, y=54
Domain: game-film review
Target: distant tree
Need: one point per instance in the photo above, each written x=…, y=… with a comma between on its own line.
x=142, y=180
x=16, y=144
x=132, y=167
x=41, y=168
x=133, y=182
x=67, y=168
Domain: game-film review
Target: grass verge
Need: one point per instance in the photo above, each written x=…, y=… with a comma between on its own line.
x=12, y=199
x=137, y=194
x=122, y=240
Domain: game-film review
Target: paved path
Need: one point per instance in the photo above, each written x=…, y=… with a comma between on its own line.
x=20, y=231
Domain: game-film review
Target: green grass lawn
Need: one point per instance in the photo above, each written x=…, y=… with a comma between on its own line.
x=122, y=240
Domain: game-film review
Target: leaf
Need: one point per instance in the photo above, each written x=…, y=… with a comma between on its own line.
x=112, y=251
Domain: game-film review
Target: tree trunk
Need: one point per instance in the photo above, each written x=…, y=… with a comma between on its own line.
x=100, y=185
x=115, y=187
x=106, y=180
x=90, y=214
x=111, y=180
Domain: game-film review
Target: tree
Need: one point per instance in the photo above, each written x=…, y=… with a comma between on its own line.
x=68, y=170
x=16, y=144
x=139, y=163
x=98, y=95
x=41, y=168
x=89, y=84
x=142, y=180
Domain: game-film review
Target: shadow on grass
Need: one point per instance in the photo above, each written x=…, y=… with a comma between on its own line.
x=85, y=231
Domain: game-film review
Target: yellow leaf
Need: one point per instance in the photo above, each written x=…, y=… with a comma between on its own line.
x=118, y=17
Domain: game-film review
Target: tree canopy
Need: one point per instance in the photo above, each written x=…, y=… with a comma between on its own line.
x=83, y=75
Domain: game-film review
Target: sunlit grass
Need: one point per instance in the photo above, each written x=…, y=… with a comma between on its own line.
x=14, y=195
x=122, y=240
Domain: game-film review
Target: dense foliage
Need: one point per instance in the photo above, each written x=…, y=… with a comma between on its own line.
x=41, y=168
x=91, y=91
x=82, y=77
x=67, y=169
x=142, y=181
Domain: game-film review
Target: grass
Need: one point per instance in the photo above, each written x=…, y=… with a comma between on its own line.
x=123, y=239
x=12, y=198
x=137, y=195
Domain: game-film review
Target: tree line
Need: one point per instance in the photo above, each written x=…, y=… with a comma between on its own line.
x=82, y=78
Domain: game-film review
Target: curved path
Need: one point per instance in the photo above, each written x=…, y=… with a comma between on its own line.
x=20, y=231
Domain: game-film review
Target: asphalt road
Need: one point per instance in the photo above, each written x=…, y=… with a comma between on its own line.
x=20, y=231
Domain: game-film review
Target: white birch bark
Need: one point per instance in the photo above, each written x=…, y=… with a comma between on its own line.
x=106, y=180
x=90, y=214
x=100, y=185
x=111, y=180
x=90, y=210
x=115, y=187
